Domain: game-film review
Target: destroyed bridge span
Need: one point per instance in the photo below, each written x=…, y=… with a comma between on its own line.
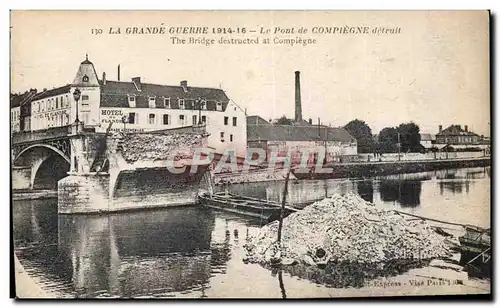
x=100, y=172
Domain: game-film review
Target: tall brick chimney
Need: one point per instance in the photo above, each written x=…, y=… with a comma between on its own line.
x=118, y=72
x=466, y=128
x=298, y=103
x=440, y=129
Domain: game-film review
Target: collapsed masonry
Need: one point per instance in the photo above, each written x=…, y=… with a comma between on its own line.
x=151, y=147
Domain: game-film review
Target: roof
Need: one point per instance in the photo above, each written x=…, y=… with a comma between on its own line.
x=87, y=69
x=427, y=137
x=16, y=100
x=255, y=119
x=115, y=94
x=297, y=133
x=53, y=92
x=455, y=130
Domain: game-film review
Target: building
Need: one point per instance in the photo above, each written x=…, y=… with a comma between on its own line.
x=17, y=103
x=455, y=135
x=136, y=106
x=427, y=141
x=282, y=139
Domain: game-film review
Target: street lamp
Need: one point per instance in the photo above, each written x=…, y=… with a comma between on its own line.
x=199, y=110
x=124, y=121
x=76, y=96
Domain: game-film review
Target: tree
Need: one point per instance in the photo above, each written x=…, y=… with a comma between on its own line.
x=363, y=134
x=283, y=121
x=387, y=140
x=409, y=137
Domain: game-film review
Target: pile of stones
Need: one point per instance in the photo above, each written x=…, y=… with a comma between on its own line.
x=345, y=228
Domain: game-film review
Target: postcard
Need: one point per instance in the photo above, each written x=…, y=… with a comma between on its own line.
x=250, y=154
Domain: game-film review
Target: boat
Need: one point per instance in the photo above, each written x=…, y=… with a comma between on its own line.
x=475, y=244
x=248, y=206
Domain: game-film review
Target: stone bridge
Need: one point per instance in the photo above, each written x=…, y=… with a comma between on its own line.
x=101, y=172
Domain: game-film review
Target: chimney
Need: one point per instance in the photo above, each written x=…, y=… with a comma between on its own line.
x=184, y=85
x=319, y=127
x=103, y=77
x=298, y=102
x=440, y=129
x=310, y=121
x=118, y=72
x=137, y=83
x=466, y=128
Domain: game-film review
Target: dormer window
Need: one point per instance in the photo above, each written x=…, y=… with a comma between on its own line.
x=203, y=104
x=152, y=102
x=131, y=100
x=85, y=78
x=166, y=102
x=181, y=103
x=219, y=106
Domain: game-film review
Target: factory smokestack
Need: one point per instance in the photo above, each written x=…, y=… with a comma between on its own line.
x=298, y=103
x=118, y=72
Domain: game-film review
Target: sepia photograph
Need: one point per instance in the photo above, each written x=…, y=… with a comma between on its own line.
x=250, y=154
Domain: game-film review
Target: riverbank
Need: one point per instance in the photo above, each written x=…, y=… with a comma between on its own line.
x=26, y=286
x=353, y=170
x=372, y=169
x=33, y=194
x=254, y=176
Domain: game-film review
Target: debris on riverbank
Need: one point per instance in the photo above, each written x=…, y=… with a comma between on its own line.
x=254, y=176
x=346, y=228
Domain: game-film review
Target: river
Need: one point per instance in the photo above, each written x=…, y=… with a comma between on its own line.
x=196, y=252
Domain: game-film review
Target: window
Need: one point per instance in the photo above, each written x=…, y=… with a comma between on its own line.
x=85, y=78
x=166, y=102
x=194, y=120
x=131, y=118
x=203, y=104
x=219, y=106
x=234, y=121
x=204, y=119
x=226, y=120
x=181, y=119
x=85, y=97
x=67, y=101
x=131, y=100
x=165, y=119
x=181, y=104
x=152, y=102
x=221, y=136
x=57, y=102
x=231, y=137
x=151, y=118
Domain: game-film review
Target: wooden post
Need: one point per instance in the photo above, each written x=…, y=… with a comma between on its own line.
x=283, y=202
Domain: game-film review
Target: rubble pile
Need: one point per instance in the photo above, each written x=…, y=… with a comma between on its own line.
x=345, y=228
x=136, y=147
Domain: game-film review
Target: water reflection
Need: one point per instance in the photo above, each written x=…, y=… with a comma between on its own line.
x=137, y=253
x=454, y=187
x=405, y=192
x=351, y=274
x=365, y=190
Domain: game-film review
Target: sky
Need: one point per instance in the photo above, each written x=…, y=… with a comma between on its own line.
x=434, y=72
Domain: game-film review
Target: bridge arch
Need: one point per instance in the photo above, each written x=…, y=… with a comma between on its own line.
x=48, y=165
x=47, y=146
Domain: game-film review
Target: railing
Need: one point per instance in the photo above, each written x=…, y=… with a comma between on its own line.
x=49, y=133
